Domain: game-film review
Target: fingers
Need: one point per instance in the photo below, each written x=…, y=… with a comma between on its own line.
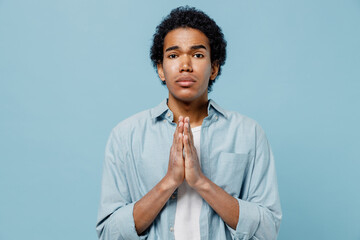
x=187, y=148
x=178, y=136
x=183, y=137
x=179, y=129
x=179, y=142
x=188, y=139
x=187, y=130
x=181, y=125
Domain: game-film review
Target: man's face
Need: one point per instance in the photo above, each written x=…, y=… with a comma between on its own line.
x=186, y=66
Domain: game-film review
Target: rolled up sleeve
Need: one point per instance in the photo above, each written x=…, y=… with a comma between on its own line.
x=259, y=211
x=115, y=215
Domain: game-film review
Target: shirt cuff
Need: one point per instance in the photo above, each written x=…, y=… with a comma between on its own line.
x=248, y=223
x=123, y=225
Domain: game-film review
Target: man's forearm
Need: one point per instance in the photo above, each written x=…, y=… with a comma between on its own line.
x=226, y=206
x=149, y=206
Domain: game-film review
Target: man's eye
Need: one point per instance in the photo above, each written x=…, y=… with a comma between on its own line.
x=199, y=55
x=172, y=56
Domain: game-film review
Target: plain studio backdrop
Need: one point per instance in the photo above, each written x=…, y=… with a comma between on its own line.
x=70, y=70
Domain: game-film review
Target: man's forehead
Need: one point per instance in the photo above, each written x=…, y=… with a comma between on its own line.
x=186, y=38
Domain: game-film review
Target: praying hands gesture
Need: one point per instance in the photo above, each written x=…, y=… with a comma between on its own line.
x=184, y=162
x=184, y=165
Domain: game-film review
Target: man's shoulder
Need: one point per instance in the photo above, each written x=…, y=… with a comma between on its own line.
x=138, y=119
x=141, y=119
x=233, y=117
x=244, y=124
x=241, y=119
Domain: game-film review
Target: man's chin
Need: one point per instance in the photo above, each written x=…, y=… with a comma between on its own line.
x=189, y=98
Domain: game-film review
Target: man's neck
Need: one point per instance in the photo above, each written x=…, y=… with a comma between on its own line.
x=196, y=110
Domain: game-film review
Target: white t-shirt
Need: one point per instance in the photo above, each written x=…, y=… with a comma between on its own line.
x=188, y=205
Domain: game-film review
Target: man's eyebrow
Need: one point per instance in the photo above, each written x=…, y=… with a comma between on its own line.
x=198, y=47
x=172, y=48
x=195, y=47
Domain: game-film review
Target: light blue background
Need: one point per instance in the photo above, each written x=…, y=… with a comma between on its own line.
x=70, y=70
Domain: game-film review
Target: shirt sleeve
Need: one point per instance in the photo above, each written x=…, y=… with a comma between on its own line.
x=115, y=215
x=260, y=212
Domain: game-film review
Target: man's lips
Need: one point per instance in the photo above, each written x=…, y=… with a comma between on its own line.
x=185, y=81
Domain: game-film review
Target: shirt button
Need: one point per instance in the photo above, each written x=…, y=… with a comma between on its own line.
x=216, y=117
x=171, y=229
x=164, y=120
x=168, y=114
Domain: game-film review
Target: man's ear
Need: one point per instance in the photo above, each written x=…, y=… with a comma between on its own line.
x=160, y=71
x=214, y=70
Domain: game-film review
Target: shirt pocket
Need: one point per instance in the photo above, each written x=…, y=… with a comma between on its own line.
x=229, y=171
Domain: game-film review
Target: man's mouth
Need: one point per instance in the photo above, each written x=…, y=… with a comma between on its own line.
x=185, y=81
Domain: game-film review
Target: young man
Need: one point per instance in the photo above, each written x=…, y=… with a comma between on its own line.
x=187, y=169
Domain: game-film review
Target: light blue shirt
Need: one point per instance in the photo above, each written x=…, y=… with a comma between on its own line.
x=235, y=155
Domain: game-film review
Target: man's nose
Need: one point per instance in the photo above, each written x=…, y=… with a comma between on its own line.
x=185, y=65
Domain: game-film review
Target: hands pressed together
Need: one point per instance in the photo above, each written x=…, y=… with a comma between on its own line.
x=183, y=161
x=184, y=165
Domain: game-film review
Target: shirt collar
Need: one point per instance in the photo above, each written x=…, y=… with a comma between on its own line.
x=162, y=108
x=213, y=105
x=159, y=110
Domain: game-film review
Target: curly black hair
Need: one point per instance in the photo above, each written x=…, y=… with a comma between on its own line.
x=191, y=17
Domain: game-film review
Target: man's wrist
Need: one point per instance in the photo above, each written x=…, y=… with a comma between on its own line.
x=203, y=184
x=168, y=184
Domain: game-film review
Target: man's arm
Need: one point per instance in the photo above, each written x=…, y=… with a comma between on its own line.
x=224, y=205
x=149, y=206
x=259, y=215
x=118, y=217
